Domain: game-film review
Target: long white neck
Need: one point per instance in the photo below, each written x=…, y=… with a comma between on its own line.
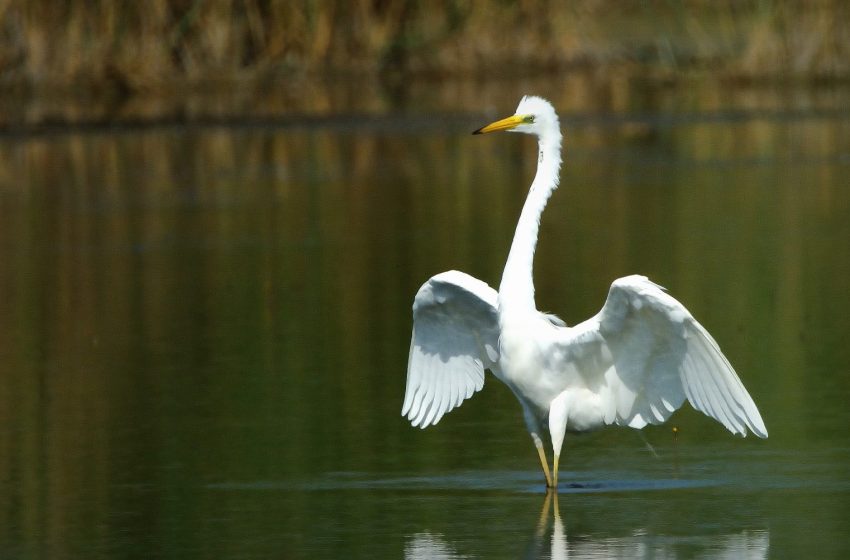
x=516, y=292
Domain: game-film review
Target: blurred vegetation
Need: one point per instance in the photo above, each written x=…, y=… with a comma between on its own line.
x=162, y=45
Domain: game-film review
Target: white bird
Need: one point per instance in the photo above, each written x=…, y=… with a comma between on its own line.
x=632, y=364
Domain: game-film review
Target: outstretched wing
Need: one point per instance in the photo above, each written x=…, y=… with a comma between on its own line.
x=455, y=338
x=644, y=354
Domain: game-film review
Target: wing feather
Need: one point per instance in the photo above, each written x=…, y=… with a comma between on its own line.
x=650, y=354
x=455, y=338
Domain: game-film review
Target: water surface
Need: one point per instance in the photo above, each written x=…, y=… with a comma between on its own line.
x=204, y=331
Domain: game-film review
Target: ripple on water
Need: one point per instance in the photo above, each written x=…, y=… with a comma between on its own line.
x=520, y=482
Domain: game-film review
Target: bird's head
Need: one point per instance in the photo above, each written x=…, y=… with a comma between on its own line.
x=534, y=115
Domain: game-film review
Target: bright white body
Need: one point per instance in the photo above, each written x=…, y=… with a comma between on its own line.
x=632, y=364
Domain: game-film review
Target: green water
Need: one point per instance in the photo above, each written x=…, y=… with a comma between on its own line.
x=204, y=332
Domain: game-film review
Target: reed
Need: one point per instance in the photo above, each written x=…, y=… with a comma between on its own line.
x=169, y=44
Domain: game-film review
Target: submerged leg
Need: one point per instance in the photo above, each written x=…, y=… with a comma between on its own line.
x=544, y=515
x=533, y=425
x=559, y=535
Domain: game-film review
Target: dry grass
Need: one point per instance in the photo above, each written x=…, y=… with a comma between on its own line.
x=810, y=40
x=170, y=44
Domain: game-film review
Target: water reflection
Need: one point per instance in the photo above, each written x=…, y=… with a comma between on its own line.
x=185, y=311
x=423, y=546
x=551, y=539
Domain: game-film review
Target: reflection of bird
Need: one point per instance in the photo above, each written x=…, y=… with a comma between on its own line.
x=603, y=539
x=641, y=542
x=426, y=546
x=632, y=364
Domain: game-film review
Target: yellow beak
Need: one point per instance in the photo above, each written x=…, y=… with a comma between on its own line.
x=504, y=124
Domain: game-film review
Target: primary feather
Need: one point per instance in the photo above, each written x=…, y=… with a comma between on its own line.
x=455, y=337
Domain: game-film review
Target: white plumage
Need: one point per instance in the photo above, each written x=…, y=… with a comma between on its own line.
x=455, y=338
x=632, y=364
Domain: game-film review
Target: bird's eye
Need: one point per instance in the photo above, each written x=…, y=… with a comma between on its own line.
x=528, y=119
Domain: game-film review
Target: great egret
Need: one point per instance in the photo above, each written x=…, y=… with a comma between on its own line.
x=632, y=364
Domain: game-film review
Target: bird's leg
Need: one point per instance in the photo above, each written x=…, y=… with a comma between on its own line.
x=557, y=428
x=533, y=425
x=555, y=471
x=538, y=443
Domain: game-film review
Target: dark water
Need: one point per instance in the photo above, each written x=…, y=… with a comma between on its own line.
x=204, y=332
